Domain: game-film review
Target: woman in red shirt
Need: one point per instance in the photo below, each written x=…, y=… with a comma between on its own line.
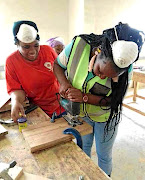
x=29, y=72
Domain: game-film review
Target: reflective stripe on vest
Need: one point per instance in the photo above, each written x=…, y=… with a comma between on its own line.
x=78, y=58
x=77, y=68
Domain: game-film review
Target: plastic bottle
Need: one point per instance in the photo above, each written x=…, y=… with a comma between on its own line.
x=22, y=122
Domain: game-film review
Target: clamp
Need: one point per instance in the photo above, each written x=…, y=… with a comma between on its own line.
x=54, y=115
x=76, y=134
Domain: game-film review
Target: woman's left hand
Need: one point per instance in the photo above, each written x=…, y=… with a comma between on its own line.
x=74, y=95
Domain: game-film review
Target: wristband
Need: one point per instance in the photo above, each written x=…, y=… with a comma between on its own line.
x=107, y=105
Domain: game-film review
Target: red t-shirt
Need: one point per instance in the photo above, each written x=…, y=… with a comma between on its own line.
x=35, y=78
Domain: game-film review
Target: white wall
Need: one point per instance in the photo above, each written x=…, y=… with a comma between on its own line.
x=104, y=14
x=76, y=17
x=100, y=15
x=66, y=18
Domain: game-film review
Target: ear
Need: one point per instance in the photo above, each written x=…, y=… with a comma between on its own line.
x=91, y=63
x=17, y=44
x=96, y=53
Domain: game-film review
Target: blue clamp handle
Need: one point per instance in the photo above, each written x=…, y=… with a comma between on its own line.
x=52, y=120
x=76, y=134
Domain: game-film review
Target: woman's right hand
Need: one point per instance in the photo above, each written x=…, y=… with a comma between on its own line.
x=63, y=88
x=17, y=111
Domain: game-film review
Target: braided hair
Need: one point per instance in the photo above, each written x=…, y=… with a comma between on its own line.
x=119, y=88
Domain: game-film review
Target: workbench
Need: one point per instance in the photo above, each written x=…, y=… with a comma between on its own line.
x=65, y=161
x=138, y=77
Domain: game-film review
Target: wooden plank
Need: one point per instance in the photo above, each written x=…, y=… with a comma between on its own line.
x=135, y=90
x=134, y=109
x=45, y=126
x=3, y=131
x=15, y=172
x=142, y=97
x=47, y=134
x=37, y=116
x=128, y=96
x=138, y=76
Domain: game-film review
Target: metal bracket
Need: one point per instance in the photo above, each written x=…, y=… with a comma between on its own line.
x=72, y=121
x=9, y=122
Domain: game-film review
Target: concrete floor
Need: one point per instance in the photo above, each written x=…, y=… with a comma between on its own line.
x=129, y=147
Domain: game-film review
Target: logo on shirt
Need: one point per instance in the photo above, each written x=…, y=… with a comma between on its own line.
x=48, y=66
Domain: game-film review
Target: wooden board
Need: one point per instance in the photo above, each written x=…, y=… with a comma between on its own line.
x=3, y=131
x=15, y=173
x=47, y=134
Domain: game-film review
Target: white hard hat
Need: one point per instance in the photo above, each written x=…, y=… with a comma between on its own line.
x=124, y=53
x=26, y=33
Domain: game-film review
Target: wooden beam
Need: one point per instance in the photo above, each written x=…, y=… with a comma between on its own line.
x=134, y=109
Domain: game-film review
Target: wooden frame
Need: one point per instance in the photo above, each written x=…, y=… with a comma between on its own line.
x=138, y=77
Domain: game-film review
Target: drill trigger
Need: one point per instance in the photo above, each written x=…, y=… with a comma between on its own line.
x=76, y=134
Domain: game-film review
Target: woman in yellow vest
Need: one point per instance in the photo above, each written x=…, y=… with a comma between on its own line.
x=97, y=69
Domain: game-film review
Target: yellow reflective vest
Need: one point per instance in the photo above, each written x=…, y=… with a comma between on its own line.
x=77, y=70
